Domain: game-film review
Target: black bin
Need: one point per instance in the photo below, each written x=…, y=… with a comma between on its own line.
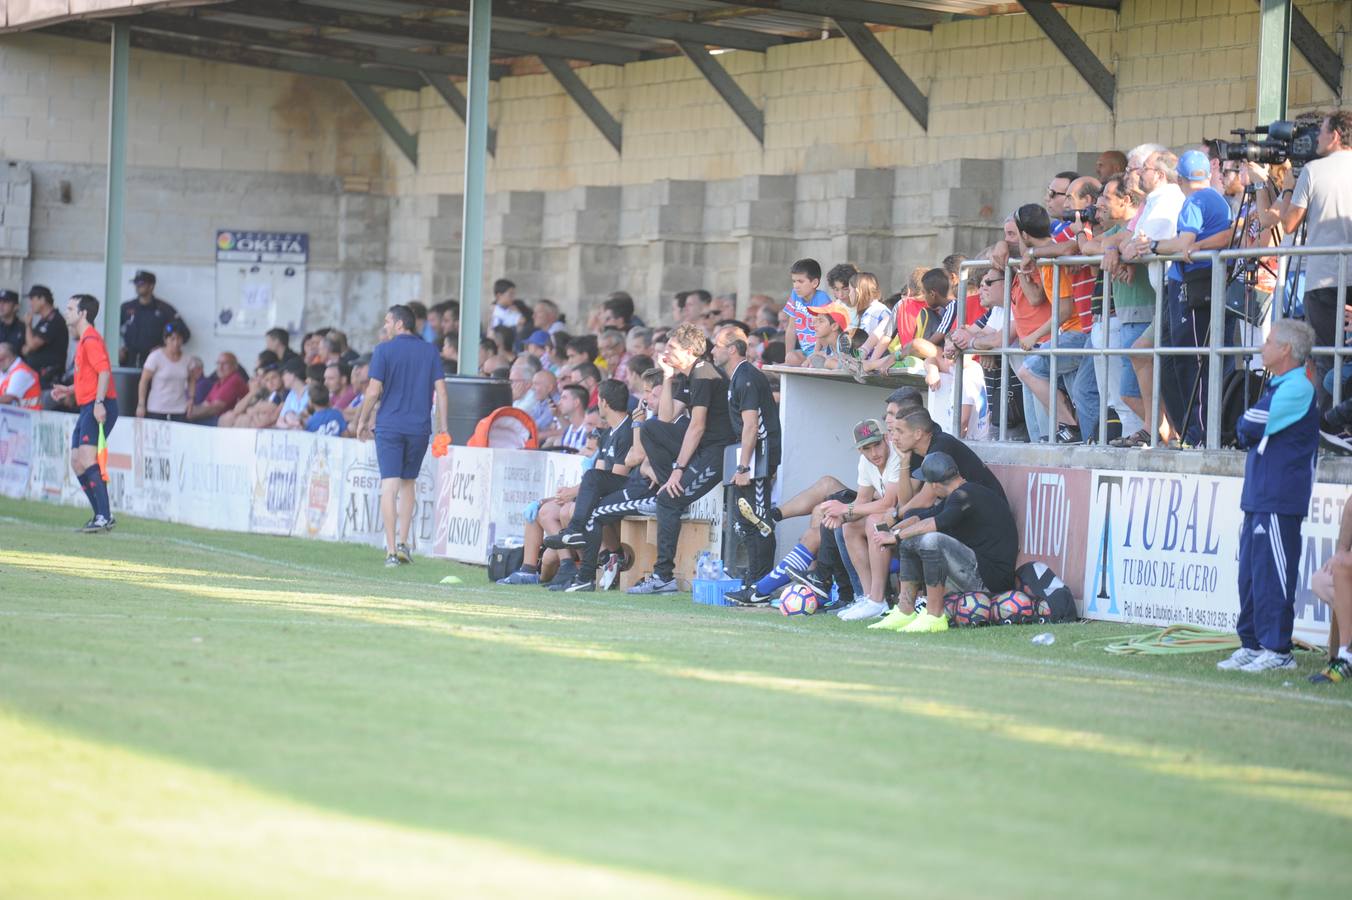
x=471, y=399
x=126, y=381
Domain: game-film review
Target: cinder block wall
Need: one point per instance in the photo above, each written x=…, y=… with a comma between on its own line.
x=845, y=172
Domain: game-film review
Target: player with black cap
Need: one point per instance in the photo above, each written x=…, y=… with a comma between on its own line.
x=965, y=542
x=143, y=320
x=11, y=326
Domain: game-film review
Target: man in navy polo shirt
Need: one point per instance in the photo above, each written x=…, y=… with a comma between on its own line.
x=406, y=378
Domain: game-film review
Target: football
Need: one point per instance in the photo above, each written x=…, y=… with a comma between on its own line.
x=798, y=600
x=1013, y=608
x=968, y=608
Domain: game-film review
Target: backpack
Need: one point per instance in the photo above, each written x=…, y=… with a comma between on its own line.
x=1038, y=581
x=504, y=559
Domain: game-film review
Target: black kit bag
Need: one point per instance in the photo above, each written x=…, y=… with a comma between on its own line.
x=503, y=560
x=1197, y=289
x=1038, y=581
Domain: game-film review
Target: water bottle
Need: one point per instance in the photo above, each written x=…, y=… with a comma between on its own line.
x=1045, y=639
x=702, y=566
x=719, y=573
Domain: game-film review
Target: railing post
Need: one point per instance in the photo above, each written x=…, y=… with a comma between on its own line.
x=1004, y=357
x=1339, y=302
x=1154, y=424
x=1216, y=330
x=1053, y=394
x=958, y=360
x=1105, y=323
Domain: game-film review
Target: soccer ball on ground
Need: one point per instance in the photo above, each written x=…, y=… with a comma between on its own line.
x=1013, y=608
x=798, y=600
x=968, y=608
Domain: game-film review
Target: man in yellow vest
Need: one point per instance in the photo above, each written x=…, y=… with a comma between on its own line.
x=18, y=381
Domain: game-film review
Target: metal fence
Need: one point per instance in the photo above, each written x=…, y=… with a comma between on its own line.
x=1214, y=353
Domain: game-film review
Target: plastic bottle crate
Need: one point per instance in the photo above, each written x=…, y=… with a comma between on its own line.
x=710, y=593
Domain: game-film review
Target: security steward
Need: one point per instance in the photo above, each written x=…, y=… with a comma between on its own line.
x=12, y=329
x=143, y=321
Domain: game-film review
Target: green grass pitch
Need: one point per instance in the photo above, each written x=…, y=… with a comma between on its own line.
x=195, y=714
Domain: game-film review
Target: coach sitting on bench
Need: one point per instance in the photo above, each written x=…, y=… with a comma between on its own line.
x=966, y=542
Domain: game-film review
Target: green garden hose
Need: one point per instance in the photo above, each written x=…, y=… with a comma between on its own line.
x=1176, y=639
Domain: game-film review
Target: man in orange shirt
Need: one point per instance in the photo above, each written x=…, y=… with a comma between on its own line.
x=97, y=402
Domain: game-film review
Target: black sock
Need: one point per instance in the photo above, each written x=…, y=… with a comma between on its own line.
x=530, y=570
x=92, y=482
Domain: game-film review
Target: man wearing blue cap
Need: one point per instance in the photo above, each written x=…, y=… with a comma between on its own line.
x=1204, y=223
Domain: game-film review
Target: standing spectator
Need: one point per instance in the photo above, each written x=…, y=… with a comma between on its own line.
x=230, y=388
x=419, y=311
x=19, y=385
x=48, y=339
x=754, y=416
x=96, y=398
x=406, y=387
x=1058, y=192
x=1110, y=163
x=143, y=320
x=723, y=308
x=12, y=330
x=1281, y=434
x=336, y=348
x=166, y=387
x=1203, y=224
x=504, y=305
x=1322, y=199
x=323, y=418
x=801, y=336
x=696, y=305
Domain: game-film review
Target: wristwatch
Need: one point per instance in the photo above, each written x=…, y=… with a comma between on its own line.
x=1154, y=248
x=742, y=470
x=849, y=511
x=678, y=468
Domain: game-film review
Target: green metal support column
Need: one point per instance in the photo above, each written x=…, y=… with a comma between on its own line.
x=117, y=185
x=476, y=153
x=1274, y=58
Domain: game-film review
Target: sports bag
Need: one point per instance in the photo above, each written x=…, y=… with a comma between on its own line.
x=1038, y=581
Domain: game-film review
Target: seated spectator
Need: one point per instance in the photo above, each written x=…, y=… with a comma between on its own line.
x=610, y=472
x=278, y=342
x=196, y=372
x=828, y=326
x=450, y=353
x=639, y=342
x=545, y=316
x=338, y=382
x=230, y=389
x=419, y=311
x=618, y=312
x=872, y=319
x=581, y=350
x=589, y=377
x=166, y=387
x=261, y=406
x=537, y=345
x=323, y=418
x=545, y=388
x=520, y=376
x=435, y=327
x=297, y=398
x=766, y=317
x=611, y=356
x=966, y=541
x=336, y=348
x=838, y=280
x=922, y=336
x=975, y=416
x=723, y=308
x=361, y=377
x=504, y=339
x=19, y=382
x=570, y=426
x=314, y=347
x=695, y=307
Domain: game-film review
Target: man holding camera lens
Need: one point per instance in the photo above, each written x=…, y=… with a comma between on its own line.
x=1321, y=198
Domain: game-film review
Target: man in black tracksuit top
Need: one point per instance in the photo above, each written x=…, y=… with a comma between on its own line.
x=609, y=474
x=754, y=416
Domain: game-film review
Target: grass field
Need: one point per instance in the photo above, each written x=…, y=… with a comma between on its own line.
x=197, y=714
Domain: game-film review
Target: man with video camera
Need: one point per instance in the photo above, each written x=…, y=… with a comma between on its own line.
x=1321, y=198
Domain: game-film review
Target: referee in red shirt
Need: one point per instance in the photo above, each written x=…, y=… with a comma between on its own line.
x=97, y=400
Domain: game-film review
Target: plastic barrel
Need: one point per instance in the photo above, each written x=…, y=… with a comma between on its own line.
x=470, y=400
x=126, y=381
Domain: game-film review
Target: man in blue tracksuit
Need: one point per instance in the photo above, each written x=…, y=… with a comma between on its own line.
x=1281, y=433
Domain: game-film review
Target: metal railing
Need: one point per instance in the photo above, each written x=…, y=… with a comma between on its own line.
x=1214, y=352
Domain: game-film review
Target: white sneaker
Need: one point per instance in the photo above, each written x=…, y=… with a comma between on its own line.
x=1267, y=661
x=861, y=609
x=1237, y=660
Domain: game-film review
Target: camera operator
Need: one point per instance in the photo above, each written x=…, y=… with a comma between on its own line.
x=1321, y=198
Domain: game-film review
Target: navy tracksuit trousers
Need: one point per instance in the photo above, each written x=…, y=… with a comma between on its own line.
x=1269, y=564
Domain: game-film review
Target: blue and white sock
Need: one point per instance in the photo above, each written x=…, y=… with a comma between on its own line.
x=796, y=560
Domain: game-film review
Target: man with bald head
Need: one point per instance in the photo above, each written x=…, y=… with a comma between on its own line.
x=1109, y=163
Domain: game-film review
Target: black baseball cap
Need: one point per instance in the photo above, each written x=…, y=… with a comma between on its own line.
x=143, y=275
x=7, y=296
x=937, y=467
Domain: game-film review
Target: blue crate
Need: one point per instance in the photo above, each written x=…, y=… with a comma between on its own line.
x=710, y=593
